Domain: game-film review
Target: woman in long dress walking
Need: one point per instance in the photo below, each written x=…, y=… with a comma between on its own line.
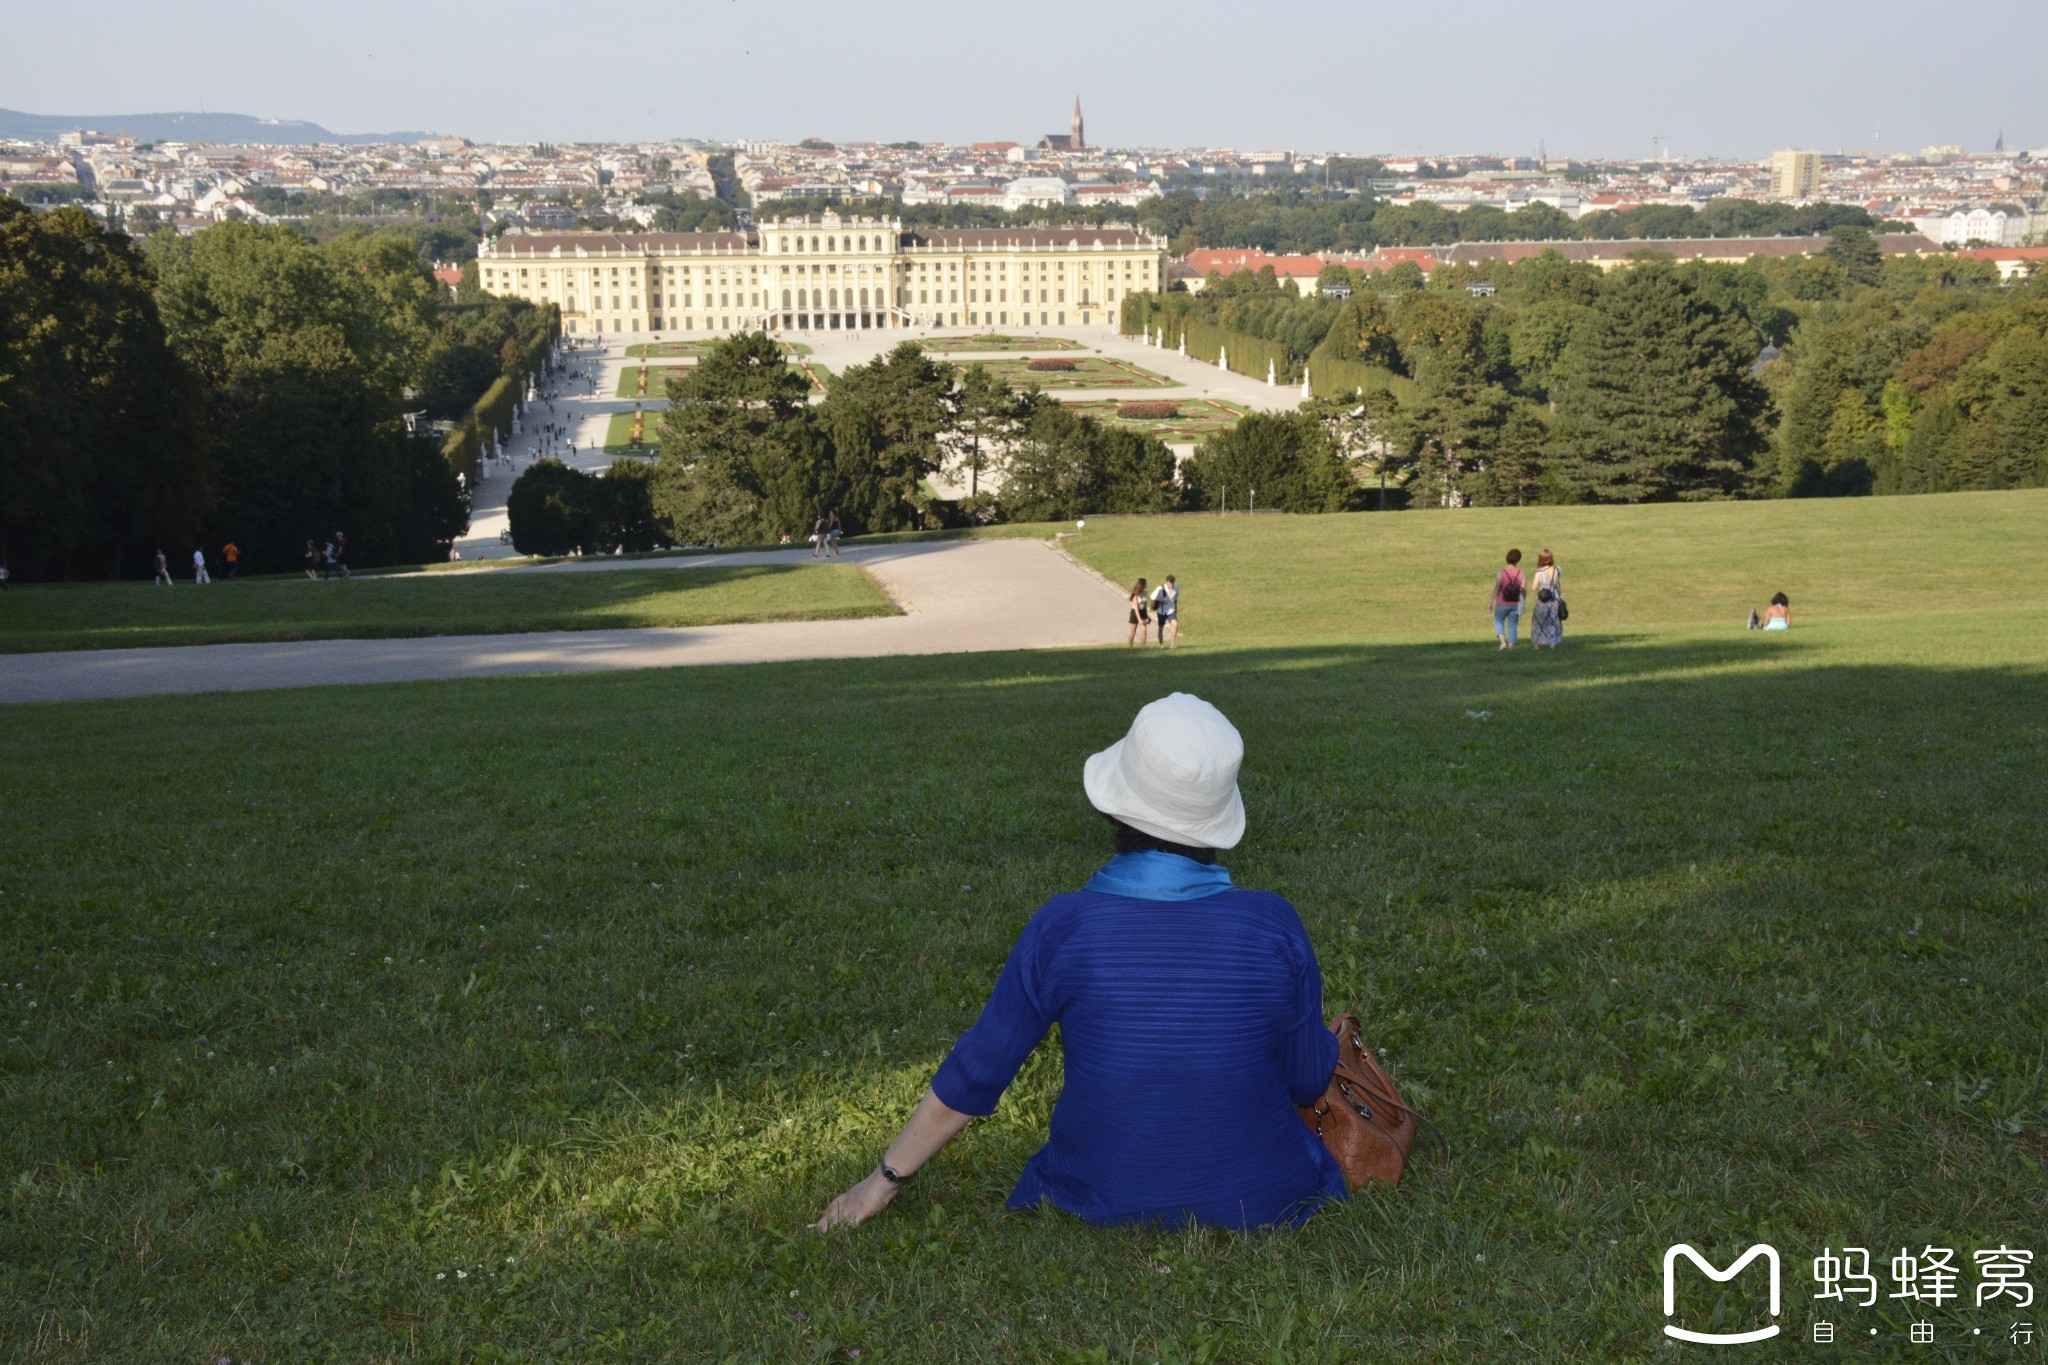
x=1546, y=627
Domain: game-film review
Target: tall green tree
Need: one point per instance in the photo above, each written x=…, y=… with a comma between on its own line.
x=892, y=419
x=1283, y=460
x=100, y=452
x=733, y=419
x=987, y=416
x=295, y=348
x=1658, y=401
x=1062, y=464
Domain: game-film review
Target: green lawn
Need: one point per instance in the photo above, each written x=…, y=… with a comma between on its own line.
x=1429, y=575
x=122, y=615
x=618, y=430
x=1089, y=372
x=532, y=1019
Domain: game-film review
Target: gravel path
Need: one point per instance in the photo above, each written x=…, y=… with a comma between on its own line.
x=957, y=596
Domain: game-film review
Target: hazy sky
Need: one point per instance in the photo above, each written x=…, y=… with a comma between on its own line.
x=1732, y=78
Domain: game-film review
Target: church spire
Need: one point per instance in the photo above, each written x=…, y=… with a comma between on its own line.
x=1075, y=128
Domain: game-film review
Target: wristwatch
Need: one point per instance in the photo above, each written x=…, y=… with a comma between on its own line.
x=890, y=1174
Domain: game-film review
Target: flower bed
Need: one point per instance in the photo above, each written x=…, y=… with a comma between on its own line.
x=1147, y=412
x=1051, y=363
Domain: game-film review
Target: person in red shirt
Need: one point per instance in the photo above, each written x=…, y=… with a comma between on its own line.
x=1508, y=590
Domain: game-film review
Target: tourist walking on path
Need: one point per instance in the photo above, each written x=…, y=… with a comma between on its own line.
x=1507, y=601
x=1140, y=616
x=312, y=561
x=833, y=530
x=1166, y=610
x=232, y=553
x=818, y=537
x=163, y=570
x=3, y=578
x=327, y=560
x=1190, y=1014
x=1546, y=624
x=341, y=553
x=199, y=573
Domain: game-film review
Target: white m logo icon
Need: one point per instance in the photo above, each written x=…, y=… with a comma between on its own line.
x=1671, y=1255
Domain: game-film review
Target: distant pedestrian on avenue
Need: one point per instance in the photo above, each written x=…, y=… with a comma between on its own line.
x=1166, y=611
x=833, y=530
x=1546, y=625
x=1140, y=614
x=1507, y=601
x=232, y=553
x=3, y=578
x=312, y=561
x=327, y=560
x=818, y=536
x=163, y=570
x=341, y=553
x=199, y=573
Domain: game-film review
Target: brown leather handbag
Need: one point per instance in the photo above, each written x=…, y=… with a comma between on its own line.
x=1361, y=1117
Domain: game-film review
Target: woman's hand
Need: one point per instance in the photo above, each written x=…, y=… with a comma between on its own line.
x=858, y=1204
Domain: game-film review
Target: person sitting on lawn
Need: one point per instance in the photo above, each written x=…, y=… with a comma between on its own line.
x=1190, y=1014
x=1779, y=616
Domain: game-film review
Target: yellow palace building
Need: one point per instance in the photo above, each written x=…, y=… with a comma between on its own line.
x=826, y=273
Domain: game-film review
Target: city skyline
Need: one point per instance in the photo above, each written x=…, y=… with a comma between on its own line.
x=1506, y=81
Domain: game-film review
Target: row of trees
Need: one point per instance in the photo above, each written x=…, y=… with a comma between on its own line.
x=1296, y=221
x=243, y=383
x=1845, y=372
x=746, y=457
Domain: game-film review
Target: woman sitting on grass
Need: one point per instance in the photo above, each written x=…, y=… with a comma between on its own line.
x=1779, y=616
x=1190, y=1014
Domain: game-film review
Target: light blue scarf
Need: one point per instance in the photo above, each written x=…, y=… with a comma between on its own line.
x=1155, y=876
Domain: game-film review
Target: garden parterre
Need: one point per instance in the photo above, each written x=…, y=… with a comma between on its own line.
x=1089, y=372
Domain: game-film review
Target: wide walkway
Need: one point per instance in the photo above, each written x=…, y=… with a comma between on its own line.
x=584, y=415
x=962, y=596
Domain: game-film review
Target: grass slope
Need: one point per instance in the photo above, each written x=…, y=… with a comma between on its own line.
x=532, y=1019
x=122, y=615
x=1428, y=575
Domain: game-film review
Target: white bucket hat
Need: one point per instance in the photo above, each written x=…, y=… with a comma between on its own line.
x=1174, y=776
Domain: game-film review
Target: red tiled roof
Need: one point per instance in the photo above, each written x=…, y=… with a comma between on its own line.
x=994, y=238
x=535, y=244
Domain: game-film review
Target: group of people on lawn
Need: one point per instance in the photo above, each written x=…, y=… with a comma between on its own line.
x=328, y=560
x=1511, y=594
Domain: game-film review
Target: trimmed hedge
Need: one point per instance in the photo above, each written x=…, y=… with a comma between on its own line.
x=492, y=411
x=1248, y=355
x=1051, y=364
x=1148, y=411
x=1329, y=376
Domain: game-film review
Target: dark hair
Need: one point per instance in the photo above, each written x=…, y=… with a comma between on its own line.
x=1779, y=599
x=1128, y=840
x=1514, y=556
x=1138, y=587
x=1543, y=559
